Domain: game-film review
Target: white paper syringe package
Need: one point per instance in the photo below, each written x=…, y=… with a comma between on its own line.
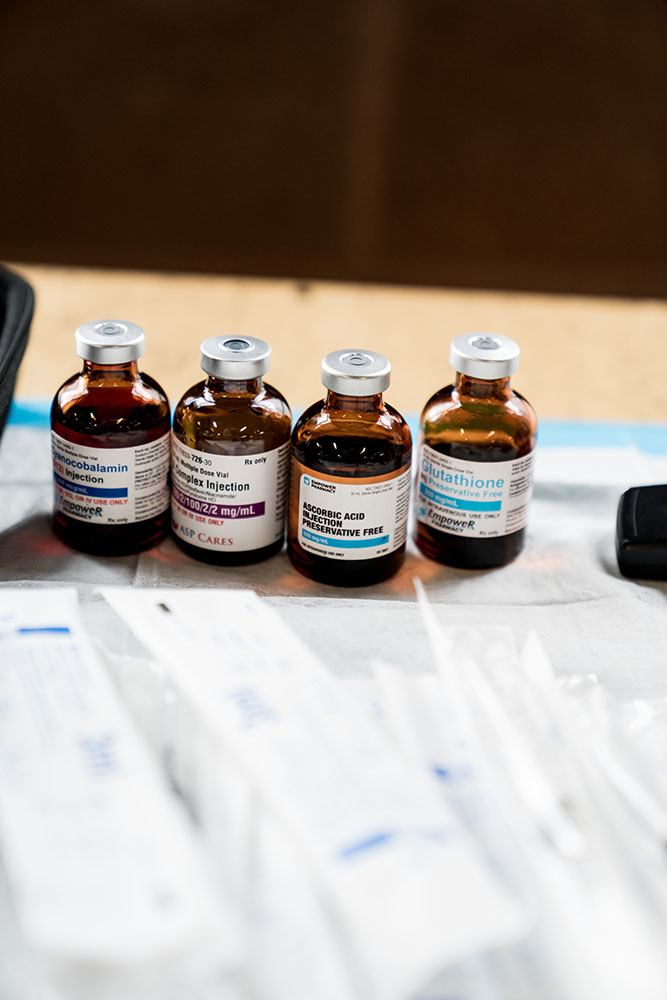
x=105, y=876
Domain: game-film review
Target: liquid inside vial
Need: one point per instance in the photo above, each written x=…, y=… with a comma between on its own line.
x=475, y=471
x=230, y=455
x=110, y=436
x=349, y=490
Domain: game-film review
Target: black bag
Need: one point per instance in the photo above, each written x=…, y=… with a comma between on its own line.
x=17, y=301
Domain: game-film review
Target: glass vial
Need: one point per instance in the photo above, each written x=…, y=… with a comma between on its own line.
x=350, y=477
x=475, y=474
x=110, y=442
x=230, y=457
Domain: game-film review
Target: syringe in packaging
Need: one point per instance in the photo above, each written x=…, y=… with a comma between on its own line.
x=406, y=889
x=104, y=872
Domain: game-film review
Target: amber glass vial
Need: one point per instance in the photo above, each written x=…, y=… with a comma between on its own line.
x=475, y=474
x=476, y=453
x=350, y=476
x=230, y=457
x=110, y=444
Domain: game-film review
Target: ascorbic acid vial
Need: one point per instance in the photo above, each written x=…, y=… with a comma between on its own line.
x=350, y=478
x=475, y=476
x=110, y=442
x=230, y=457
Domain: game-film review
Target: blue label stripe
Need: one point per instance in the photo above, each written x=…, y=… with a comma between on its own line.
x=365, y=845
x=457, y=504
x=345, y=543
x=89, y=491
x=58, y=629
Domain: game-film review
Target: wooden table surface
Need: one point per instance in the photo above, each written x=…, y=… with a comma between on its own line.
x=581, y=358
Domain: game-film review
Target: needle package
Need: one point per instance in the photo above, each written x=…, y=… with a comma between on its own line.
x=103, y=870
x=388, y=859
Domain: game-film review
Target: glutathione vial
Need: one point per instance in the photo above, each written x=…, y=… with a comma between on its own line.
x=350, y=476
x=230, y=457
x=476, y=452
x=110, y=443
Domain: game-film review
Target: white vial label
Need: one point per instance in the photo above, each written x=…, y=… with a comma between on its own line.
x=473, y=499
x=343, y=518
x=111, y=485
x=228, y=503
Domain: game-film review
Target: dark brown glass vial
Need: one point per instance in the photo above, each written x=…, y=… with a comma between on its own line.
x=471, y=510
x=110, y=438
x=230, y=455
x=350, y=477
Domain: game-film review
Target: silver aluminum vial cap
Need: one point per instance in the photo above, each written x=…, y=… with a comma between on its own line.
x=109, y=341
x=484, y=355
x=235, y=357
x=356, y=373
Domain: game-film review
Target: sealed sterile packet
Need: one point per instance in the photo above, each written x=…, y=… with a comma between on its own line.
x=398, y=889
x=106, y=881
x=599, y=900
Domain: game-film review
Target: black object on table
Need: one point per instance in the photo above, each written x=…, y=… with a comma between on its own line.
x=17, y=301
x=641, y=533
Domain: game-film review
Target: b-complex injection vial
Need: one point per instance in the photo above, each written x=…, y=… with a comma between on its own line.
x=350, y=477
x=475, y=474
x=230, y=457
x=110, y=441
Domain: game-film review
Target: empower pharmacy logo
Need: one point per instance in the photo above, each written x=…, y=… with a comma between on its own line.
x=317, y=484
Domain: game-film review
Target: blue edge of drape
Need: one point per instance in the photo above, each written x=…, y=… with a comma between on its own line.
x=650, y=438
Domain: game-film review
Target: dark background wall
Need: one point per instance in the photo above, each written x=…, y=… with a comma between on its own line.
x=490, y=144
